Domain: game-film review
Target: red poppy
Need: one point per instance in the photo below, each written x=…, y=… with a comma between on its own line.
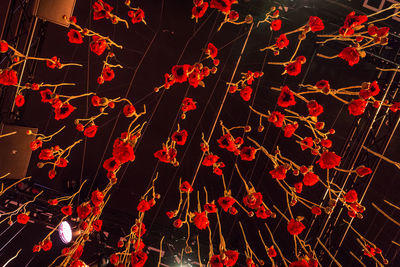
x=210, y=160
x=64, y=111
x=111, y=164
x=3, y=46
x=22, y=218
x=293, y=68
x=114, y=259
x=245, y=93
x=78, y=252
x=180, y=73
x=233, y=15
x=290, y=129
x=97, y=224
x=186, y=187
x=226, y=202
x=138, y=259
x=395, y=106
x=306, y=143
x=143, y=206
x=139, y=227
x=222, y=5
x=180, y=137
x=276, y=118
x=350, y=54
x=226, y=141
x=298, y=187
x=300, y=263
x=310, y=179
x=272, y=252
x=329, y=160
x=374, y=88
x=177, y=223
x=315, y=24
x=97, y=198
x=253, y=200
x=136, y=16
x=90, y=131
x=282, y=41
x=53, y=63
x=19, y=100
x=363, y=171
x=8, y=77
x=200, y=220
x=248, y=153
x=211, y=50
x=46, y=154
x=352, y=20
x=107, y=74
x=295, y=227
x=286, y=97
x=316, y=210
x=351, y=196
x=129, y=110
x=326, y=143
x=166, y=155
x=46, y=245
x=98, y=45
x=357, y=106
x=84, y=210
x=61, y=163
x=323, y=85
x=314, y=109
x=123, y=152
x=74, y=37
x=47, y=95
x=231, y=257
x=276, y=25
x=369, y=251
x=216, y=261
x=35, y=144
x=51, y=174
x=67, y=210
x=263, y=213
x=210, y=207
x=188, y=104
x=279, y=172
x=199, y=10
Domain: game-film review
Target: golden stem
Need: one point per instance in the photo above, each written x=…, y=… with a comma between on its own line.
x=397, y=164
x=327, y=251
x=8, y=134
x=159, y=256
x=276, y=245
x=354, y=256
x=327, y=57
x=386, y=215
x=394, y=206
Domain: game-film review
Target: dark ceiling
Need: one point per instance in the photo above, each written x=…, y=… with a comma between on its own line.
x=171, y=37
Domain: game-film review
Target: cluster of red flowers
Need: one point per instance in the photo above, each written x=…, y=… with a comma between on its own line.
x=200, y=7
x=8, y=77
x=211, y=160
x=187, y=105
x=294, y=68
x=227, y=258
x=244, y=85
x=228, y=142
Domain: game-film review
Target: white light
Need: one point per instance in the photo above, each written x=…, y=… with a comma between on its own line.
x=65, y=232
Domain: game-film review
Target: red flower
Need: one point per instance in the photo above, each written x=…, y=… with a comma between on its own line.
x=52, y=174
x=46, y=154
x=272, y=252
x=352, y=20
x=316, y=210
x=231, y=257
x=53, y=63
x=98, y=45
x=357, y=106
x=123, y=152
x=180, y=137
x=3, y=46
x=200, y=10
x=177, y=223
x=351, y=196
x=282, y=41
x=298, y=187
x=329, y=160
x=138, y=259
x=253, y=201
x=279, y=172
x=310, y=179
x=395, y=107
x=233, y=15
x=64, y=111
x=19, y=100
x=245, y=93
x=74, y=37
x=286, y=97
x=350, y=54
x=143, y=206
x=226, y=202
x=137, y=16
x=323, y=85
x=306, y=143
x=226, y=141
x=47, y=95
x=97, y=198
x=263, y=213
x=22, y=218
x=8, y=77
x=188, y=104
x=166, y=155
x=216, y=261
x=90, y=131
x=362, y=171
x=129, y=110
x=290, y=129
x=46, y=245
x=111, y=164
x=293, y=69
x=107, y=74
x=186, y=187
x=67, y=210
x=61, y=163
x=211, y=50
x=180, y=73
x=35, y=144
x=315, y=24
x=97, y=224
x=200, y=220
x=114, y=259
x=276, y=25
x=248, y=153
x=84, y=210
x=210, y=160
x=295, y=227
x=210, y=207
x=222, y=5
x=276, y=118
x=314, y=109
x=326, y=143
x=300, y=263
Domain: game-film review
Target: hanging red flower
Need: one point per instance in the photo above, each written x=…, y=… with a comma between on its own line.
x=19, y=100
x=233, y=15
x=138, y=259
x=46, y=245
x=143, y=206
x=326, y=143
x=286, y=98
x=84, y=210
x=211, y=50
x=222, y=5
x=279, y=172
x=248, y=153
x=352, y=20
x=186, y=187
x=357, y=106
x=180, y=137
x=293, y=68
x=200, y=220
x=231, y=257
x=46, y=154
x=177, y=223
x=61, y=163
x=363, y=171
x=97, y=224
x=323, y=85
x=329, y=160
x=298, y=187
x=290, y=129
x=53, y=63
x=295, y=227
x=98, y=45
x=276, y=25
x=136, y=16
x=64, y=111
x=350, y=54
x=199, y=10
x=210, y=207
x=35, y=144
x=166, y=155
x=263, y=213
x=47, y=95
x=282, y=41
x=226, y=141
x=114, y=259
x=3, y=46
x=90, y=131
x=314, y=109
x=129, y=110
x=74, y=37
x=276, y=118
x=351, y=196
x=188, y=104
x=272, y=252
x=123, y=152
x=245, y=93
x=306, y=143
x=22, y=218
x=210, y=160
x=315, y=24
x=310, y=179
x=97, y=198
x=300, y=263
x=316, y=210
x=8, y=77
x=226, y=202
x=253, y=200
x=180, y=73
x=111, y=164
x=107, y=74
x=67, y=210
x=216, y=261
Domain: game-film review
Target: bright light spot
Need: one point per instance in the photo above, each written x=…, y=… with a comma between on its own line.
x=65, y=232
